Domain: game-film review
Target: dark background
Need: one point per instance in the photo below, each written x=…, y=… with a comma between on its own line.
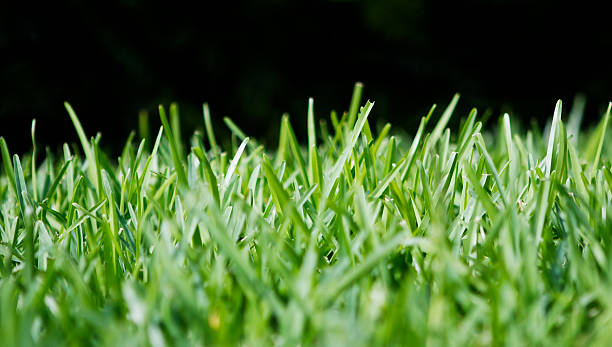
x=253, y=61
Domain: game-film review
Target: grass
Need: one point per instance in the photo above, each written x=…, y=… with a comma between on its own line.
x=451, y=237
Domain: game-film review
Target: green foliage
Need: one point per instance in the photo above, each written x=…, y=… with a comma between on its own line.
x=361, y=238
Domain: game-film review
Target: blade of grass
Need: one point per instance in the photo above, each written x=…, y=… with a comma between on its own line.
x=551, y=138
x=8, y=166
x=355, y=102
x=178, y=161
x=84, y=142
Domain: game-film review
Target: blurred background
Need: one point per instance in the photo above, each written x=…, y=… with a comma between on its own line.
x=252, y=61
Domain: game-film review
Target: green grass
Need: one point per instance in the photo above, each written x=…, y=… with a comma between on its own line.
x=357, y=237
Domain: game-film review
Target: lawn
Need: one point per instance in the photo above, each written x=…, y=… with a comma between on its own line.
x=483, y=234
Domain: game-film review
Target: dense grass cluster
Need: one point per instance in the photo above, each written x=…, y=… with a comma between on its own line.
x=451, y=237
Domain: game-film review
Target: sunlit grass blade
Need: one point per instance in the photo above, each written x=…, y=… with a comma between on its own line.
x=84, y=142
x=348, y=148
x=175, y=123
x=551, y=138
x=234, y=163
x=575, y=117
x=355, y=102
x=60, y=175
x=210, y=176
x=8, y=166
x=234, y=128
x=410, y=155
x=295, y=149
x=443, y=121
x=178, y=161
x=601, y=134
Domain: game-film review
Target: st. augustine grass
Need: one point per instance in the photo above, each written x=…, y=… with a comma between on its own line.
x=452, y=237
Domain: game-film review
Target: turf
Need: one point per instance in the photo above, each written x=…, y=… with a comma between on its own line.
x=354, y=237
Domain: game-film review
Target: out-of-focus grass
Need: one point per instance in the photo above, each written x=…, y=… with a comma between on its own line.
x=451, y=237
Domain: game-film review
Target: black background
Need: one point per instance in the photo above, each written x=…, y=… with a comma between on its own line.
x=253, y=61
